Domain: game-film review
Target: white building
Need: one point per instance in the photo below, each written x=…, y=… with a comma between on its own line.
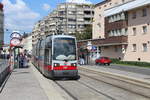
x=27, y=43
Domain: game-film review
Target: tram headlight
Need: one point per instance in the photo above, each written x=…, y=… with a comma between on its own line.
x=73, y=64
x=56, y=64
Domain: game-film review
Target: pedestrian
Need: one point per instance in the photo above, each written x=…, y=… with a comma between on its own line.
x=25, y=61
x=21, y=61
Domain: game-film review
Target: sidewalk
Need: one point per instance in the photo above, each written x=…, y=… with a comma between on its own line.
x=118, y=72
x=22, y=85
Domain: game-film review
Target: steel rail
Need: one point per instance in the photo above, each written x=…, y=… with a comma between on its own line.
x=126, y=81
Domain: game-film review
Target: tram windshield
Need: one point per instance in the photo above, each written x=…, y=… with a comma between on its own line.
x=64, y=49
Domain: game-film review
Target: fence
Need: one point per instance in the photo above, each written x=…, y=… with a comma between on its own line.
x=4, y=70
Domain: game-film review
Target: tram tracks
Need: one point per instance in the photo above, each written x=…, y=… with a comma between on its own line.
x=106, y=95
x=126, y=88
x=98, y=94
x=71, y=95
x=132, y=85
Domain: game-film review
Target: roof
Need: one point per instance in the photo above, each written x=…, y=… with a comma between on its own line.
x=103, y=2
x=126, y=7
x=63, y=36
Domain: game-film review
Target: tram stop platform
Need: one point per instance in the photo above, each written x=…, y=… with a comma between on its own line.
x=28, y=84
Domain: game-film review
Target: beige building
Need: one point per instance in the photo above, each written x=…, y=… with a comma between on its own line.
x=125, y=31
x=1, y=25
x=99, y=17
x=36, y=32
x=67, y=18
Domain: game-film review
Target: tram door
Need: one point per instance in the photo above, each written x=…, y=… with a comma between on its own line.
x=47, y=56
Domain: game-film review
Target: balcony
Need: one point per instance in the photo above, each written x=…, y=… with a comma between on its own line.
x=115, y=25
x=118, y=40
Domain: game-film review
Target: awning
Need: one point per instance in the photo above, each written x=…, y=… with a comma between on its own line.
x=126, y=7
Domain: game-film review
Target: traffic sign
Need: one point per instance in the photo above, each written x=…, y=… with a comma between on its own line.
x=15, y=34
x=14, y=42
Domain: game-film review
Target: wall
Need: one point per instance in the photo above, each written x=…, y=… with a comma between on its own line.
x=139, y=38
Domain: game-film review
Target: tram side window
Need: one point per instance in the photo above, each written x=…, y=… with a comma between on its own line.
x=42, y=49
x=37, y=49
x=47, y=58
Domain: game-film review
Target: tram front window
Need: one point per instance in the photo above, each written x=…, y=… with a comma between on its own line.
x=64, y=49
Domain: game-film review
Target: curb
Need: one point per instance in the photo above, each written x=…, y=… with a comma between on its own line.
x=137, y=86
x=140, y=82
x=48, y=88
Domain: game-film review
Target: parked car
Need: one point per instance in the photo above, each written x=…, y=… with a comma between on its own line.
x=103, y=60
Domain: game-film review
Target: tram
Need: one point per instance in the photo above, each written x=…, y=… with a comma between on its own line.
x=56, y=56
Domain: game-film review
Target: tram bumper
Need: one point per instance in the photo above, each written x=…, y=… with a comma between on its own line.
x=65, y=73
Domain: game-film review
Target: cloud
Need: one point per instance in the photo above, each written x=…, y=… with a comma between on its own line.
x=46, y=7
x=79, y=1
x=18, y=16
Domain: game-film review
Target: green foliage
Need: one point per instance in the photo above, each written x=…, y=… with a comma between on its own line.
x=85, y=34
x=1, y=44
x=133, y=63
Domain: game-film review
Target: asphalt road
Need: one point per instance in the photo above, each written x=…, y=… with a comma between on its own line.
x=134, y=69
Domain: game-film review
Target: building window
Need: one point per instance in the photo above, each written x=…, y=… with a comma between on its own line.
x=144, y=47
x=134, y=31
x=134, y=47
x=133, y=15
x=144, y=29
x=116, y=49
x=71, y=20
x=99, y=24
x=144, y=12
x=126, y=31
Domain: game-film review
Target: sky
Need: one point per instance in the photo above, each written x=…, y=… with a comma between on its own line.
x=21, y=15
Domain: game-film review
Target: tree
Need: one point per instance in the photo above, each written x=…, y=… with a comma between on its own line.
x=85, y=34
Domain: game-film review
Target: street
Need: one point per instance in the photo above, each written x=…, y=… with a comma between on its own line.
x=92, y=85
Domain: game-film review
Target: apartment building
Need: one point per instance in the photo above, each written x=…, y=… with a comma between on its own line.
x=36, y=32
x=1, y=25
x=67, y=18
x=126, y=32
x=99, y=17
x=75, y=17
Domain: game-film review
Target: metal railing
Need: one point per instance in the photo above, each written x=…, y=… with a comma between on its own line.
x=4, y=70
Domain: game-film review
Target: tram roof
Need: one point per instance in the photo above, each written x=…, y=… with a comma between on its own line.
x=67, y=36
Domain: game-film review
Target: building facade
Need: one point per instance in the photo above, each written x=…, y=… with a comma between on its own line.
x=27, y=43
x=1, y=25
x=36, y=33
x=99, y=17
x=126, y=32
x=67, y=18
x=75, y=17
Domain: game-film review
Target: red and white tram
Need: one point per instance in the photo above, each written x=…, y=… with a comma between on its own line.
x=56, y=56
